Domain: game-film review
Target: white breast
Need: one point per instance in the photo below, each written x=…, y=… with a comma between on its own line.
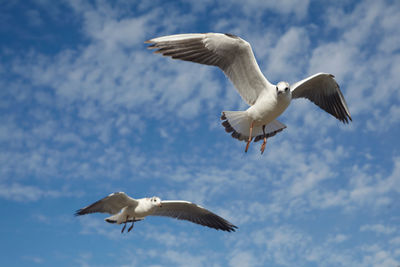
x=143, y=209
x=267, y=108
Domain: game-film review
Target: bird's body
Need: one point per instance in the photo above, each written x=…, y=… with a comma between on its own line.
x=135, y=211
x=268, y=107
x=267, y=101
x=125, y=209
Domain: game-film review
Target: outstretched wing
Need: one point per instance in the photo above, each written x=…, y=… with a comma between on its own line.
x=184, y=210
x=111, y=204
x=226, y=51
x=323, y=90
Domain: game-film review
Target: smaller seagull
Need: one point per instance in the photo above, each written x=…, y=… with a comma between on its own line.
x=267, y=101
x=125, y=209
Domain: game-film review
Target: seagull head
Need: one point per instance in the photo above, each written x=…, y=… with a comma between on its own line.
x=282, y=89
x=156, y=201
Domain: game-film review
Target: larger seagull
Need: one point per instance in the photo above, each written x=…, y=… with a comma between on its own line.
x=125, y=209
x=267, y=101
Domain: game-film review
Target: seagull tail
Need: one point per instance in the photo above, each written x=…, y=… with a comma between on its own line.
x=271, y=129
x=118, y=219
x=112, y=219
x=238, y=123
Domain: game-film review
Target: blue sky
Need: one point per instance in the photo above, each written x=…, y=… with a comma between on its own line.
x=87, y=110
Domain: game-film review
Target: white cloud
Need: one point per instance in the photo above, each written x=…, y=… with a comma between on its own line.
x=287, y=246
x=339, y=238
x=282, y=245
x=243, y=259
x=362, y=57
x=34, y=259
x=83, y=259
x=26, y=193
x=377, y=256
x=179, y=258
x=169, y=239
x=298, y=8
x=287, y=59
x=97, y=226
x=373, y=189
x=395, y=241
x=338, y=58
x=378, y=228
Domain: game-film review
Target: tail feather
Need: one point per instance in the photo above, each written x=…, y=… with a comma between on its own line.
x=114, y=219
x=271, y=129
x=238, y=123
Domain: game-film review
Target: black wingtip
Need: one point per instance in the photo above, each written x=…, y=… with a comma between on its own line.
x=79, y=212
x=349, y=117
x=232, y=228
x=346, y=120
x=230, y=129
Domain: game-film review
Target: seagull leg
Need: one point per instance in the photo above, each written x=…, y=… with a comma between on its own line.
x=130, y=228
x=248, y=141
x=265, y=140
x=123, y=228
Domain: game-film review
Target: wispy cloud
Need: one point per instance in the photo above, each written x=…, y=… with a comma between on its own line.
x=26, y=193
x=378, y=228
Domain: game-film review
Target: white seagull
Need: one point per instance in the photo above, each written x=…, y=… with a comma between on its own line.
x=125, y=209
x=267, y=101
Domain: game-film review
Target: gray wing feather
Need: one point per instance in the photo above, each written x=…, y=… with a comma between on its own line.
x=184, y=210
x=323, y=90
x=228, y=52
x=111, y=204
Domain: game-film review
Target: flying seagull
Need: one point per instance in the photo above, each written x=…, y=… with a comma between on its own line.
x=125, y=209
x=267, y=101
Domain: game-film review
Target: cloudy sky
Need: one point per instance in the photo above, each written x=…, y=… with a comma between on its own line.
x=86, y=110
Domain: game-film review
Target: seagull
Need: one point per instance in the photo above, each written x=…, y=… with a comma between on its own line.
x=125, y=209
x=234, y=56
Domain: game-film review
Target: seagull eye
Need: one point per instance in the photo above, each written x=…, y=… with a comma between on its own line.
x=277, y=88
x=286, y=89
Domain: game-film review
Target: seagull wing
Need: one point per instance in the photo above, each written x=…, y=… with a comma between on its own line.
x=323, y=90
x=111, y=204
x=184, y=210
x=226, y=51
